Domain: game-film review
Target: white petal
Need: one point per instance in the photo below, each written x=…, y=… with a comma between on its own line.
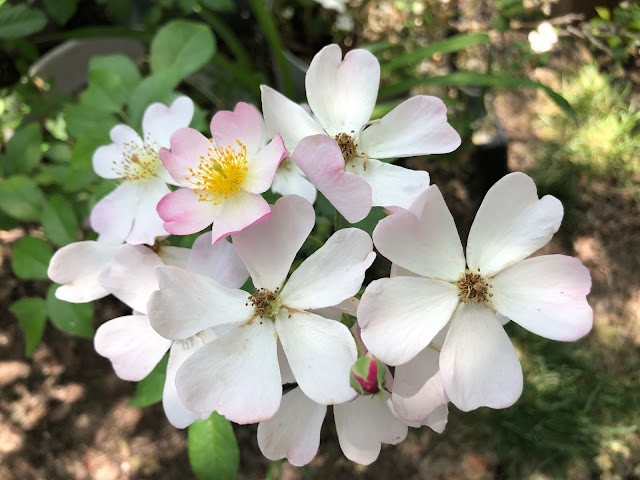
x=177, y=413
x=104, y=160
x=511, y=224
x=478, y=363
x=76, y=266
x=174, y=256
x=236, y=375
x=399, y=316
x=391, y=185
x=188, y=303
x=287, y=118
x=363, y=425
x=269, y=247
x=125, y=136
x=423, y=240
x=161, y=121
x=342, y=93
x=321, y=353
x=547, y=296
x=418, y=126
x=332, y=273
x=262, y=166
x=294, y=431
x=417, y=387
x=291, y=181
x=285, y=368
x=132, y=346
x=237, y=213
x=219, y=261
x=112, y=217
x=147, y=224
x=131, y=277
x=437, y=419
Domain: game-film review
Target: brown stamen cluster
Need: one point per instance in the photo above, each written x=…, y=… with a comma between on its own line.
x=347, y=145
x=473, y=286
x=139, y=162
x=267, y=303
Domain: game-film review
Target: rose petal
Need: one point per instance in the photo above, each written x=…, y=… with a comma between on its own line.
x=511, y=224
x=546, y=295
x=342, y=93
x=183, y=212
x=294, y=431
x=263, y=165
x=478, y=364
x=112, y=217
x=188, y=147
x=289, y=180
x=244, y=124
x=147, y=224
x=320, y=158
x=106, y=160
x=237, y=213
x=219, y=261
x=160, y=121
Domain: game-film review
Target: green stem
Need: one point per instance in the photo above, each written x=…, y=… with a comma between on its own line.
x=268, y=25
x=226, y=34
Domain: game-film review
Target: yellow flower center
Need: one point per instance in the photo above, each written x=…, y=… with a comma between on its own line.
x=220, y=173
x=473, y=286
x=140, y=162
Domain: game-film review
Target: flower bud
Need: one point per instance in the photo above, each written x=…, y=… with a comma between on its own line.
x=367, y=376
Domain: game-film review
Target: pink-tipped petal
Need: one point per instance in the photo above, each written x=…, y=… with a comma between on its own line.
x=236, y=375
x=511, y=224
x=268, y=248
x=478, y=364
x=391, y=185
x=287, y=118
x=320, y=158
x=237, y=213
x=263, y=166
x=243, y=125
x=160, y=121
x=132, y=346
x=188, y=146
x=183, y=213
x=546, y=295
x=342, y=93
x=219, y=261
x=294, y=431
x=418, y=126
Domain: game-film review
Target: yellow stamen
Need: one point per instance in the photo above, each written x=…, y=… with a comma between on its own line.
x=220, y=173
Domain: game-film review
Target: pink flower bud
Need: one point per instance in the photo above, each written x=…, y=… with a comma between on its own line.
x=367, y=376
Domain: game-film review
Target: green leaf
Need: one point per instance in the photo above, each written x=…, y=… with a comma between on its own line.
x=81, y=118
x=21, y=198
x=451, y=44
x=213, y=449
x=459, y=79
x=59, y=221
x=80, y=178
x=24, y=150
x=20, y=21
x=369, y=223
x=120, y=64
x=61, y=10
x=31, y=256
x=50, y=174
x=106, y=93
x=82, y=151
x=149, y=389
x=155, y=88
x=182, y=46
x=59, y=152
x=32, y=317
x=219, y=5
x=72, y=318
x=604, y=13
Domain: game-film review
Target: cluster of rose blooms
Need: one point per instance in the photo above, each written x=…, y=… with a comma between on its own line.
x=437, y=321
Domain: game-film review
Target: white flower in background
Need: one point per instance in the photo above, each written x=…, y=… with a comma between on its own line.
x=340, y=156
x=337, y=5
x=77, y=266
x=289, y=180
x=128, y=214
x=129, y=342
x=239, y=375
x=400, y=316
x=544, y=38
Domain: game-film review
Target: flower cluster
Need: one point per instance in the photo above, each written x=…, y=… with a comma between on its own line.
x=298, y=340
